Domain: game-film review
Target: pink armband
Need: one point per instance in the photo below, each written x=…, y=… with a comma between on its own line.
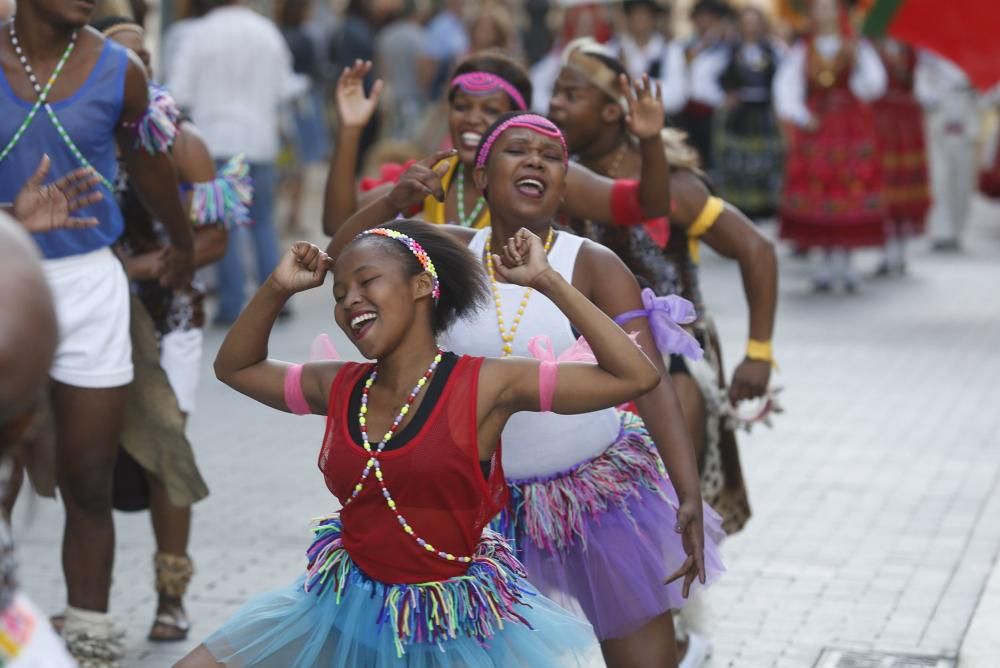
x=547, y=372
x=625, y=206
x=295, y=399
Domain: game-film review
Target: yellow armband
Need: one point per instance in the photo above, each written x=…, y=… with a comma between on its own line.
x=762, y=351
x=706, y=218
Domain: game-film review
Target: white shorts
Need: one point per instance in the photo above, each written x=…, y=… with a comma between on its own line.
x=91, y=295
x=180, y=358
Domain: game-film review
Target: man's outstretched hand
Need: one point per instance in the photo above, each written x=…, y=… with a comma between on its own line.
x=44, y=208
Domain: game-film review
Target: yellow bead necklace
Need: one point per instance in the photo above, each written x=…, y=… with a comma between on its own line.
x=508, y=336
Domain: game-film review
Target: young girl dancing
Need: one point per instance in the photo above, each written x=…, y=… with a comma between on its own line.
x=405, y=574
x=600, y=525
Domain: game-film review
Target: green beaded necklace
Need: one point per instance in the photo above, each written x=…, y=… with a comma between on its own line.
x=470, y=220
x=42, y=101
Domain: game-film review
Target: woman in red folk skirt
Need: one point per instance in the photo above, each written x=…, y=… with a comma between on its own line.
x=834, y=182
x=899, y=121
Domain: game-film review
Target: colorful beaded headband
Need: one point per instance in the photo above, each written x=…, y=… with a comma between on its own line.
x=418, y=251
x=533, y=122
x=484, y=83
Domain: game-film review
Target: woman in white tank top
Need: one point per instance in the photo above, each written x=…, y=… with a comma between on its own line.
x=600, y=526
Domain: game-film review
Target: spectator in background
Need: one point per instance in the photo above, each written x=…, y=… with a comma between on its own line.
x=899, y=122
x=537, y=35
x=643, y=49
x=492, y=27
x=747, y=141
x=309, y=109
x=707, y=54
x=447, y=41
x=950, y=106
x=232, y=73
x=6, y=9
x=585, y=20
x=404, y=99
x=355, y=40
x=188, y=11
x=833, y=197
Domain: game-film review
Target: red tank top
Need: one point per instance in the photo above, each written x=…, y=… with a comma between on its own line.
x=434, y=478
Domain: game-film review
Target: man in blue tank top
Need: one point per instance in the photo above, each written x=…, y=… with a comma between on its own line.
x=67, y=93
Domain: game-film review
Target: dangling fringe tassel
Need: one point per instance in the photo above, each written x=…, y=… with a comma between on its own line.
x=226, y=199
x=555, y=509
x=156, y=130
x=475, y=605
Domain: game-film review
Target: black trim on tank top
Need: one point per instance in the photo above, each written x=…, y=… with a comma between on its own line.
x=433, y=393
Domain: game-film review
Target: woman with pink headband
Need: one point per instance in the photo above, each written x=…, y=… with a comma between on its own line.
x=485, y=86
x=601, y=528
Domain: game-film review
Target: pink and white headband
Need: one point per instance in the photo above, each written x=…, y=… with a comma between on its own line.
x=484, y=83
x=533, y=122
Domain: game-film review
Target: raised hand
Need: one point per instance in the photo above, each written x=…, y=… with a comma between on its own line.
x=645, y=115
x=43, y=208
x=303, y=267
x=690, y=525
x=522, y=260
x=421, y=179
x=354, y=108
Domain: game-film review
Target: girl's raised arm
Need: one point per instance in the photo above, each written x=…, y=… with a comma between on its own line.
x=242, y=362
x=354, y=111
x=622, y=371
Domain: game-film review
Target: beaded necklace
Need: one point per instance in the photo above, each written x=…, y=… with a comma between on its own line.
x=470, y=220
x=508, y=336
x=42, y=101
x=373, y=455
x=42, y=93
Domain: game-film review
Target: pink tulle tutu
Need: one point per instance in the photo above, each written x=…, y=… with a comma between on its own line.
x=599, y=539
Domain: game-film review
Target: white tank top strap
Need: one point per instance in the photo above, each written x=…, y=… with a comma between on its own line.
x=535, y=444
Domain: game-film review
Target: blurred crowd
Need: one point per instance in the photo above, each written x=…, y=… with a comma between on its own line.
x=732, y=80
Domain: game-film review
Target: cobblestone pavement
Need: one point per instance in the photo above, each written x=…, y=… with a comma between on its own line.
x=876, y=512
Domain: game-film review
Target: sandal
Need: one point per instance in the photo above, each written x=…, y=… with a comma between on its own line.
x=171, y=626
x=173, y=573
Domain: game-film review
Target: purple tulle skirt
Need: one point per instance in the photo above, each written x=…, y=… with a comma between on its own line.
x=599, y=539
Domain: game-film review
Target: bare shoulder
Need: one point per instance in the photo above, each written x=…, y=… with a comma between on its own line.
x=601, y=275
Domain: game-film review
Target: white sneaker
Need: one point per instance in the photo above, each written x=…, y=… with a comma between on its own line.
x=698, y=649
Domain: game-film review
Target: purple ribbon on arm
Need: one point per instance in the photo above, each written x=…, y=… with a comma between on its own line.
x=666, y=315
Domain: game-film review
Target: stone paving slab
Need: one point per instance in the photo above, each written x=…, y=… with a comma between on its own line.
x=877, y=513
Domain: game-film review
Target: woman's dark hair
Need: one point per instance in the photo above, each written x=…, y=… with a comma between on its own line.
x=464, y=289
x=494, y=62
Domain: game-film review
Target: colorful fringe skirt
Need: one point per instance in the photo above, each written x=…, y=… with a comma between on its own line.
x=599, y=539
x=336, y=616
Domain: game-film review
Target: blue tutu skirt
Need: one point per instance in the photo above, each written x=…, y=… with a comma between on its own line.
x=335, y=615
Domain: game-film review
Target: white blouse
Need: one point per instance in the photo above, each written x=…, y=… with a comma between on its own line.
x=868, y=79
